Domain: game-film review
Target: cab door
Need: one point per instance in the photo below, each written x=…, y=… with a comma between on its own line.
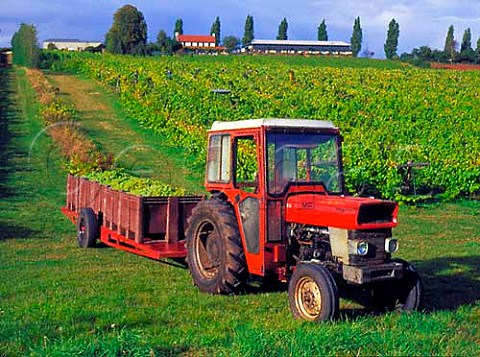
x=249, y=199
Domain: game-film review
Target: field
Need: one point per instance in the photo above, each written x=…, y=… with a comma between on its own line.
x=56, y=299
x=389, y=117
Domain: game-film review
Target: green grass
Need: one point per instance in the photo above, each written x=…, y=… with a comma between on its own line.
x=59, y=300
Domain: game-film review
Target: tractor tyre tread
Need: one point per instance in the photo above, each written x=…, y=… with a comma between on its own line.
x=233, y=273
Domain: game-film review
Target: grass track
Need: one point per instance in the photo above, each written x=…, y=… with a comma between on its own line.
x=133, y=147
x=58, y=300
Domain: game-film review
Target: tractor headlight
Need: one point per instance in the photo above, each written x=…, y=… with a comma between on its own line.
x=362, y=248
x=391, y=245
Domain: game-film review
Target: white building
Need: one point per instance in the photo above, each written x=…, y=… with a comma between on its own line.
x=300, y=47
x=70, y=44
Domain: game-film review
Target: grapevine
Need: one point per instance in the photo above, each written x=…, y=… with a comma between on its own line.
x=388, y=117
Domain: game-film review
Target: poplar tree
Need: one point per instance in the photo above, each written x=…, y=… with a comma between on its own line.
x=282, y=30
x=248, y=34
x=25, y=46
x=178, y=27
x=322, y=34
x=357, y=37
x=477, y=52
x=215, y=30
x=449, y=48
x=466, y=41
x=467, y=54
x=391, y=44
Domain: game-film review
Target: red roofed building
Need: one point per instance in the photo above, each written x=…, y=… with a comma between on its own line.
x=198, y=43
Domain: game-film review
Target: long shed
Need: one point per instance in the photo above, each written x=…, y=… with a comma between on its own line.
x=300, y=47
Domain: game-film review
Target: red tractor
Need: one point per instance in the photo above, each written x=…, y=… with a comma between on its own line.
x=277, y=208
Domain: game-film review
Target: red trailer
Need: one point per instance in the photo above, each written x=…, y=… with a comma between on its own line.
x=150, y=226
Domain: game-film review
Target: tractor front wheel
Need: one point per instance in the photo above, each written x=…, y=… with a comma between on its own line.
x=405, y=294
x=313, y=293
x=214, y=249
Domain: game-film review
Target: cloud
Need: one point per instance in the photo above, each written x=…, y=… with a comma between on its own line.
x=460, y=19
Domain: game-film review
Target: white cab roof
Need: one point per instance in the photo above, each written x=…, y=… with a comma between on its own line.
x=273, y=122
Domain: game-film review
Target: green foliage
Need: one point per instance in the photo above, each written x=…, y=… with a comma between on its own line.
x=467, y=54
x=128, y=34
x=248, y=34
x=51, y=46
x=25, y=46
x=246, y=161
x=231, y=43
x=215, y=30
x=388, y=117
x=357, y=37
x=49, y=58
x=391, y=43
x=178, y=29
x=450, y=44
x=477, y=52
x=423, y=55
x=322, y=34
x=119, y=179
x=466, y=41
x=282, y=30
x=57, y=112
x=164, y=43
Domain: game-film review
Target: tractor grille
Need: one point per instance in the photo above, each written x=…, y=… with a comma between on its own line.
x=376, y=246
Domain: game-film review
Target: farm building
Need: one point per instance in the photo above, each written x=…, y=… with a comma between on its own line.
x=300, y=47
x=6, y=57
x=69, y=44
x=198, y=43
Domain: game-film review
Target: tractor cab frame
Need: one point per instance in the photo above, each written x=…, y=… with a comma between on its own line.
x=256, y=164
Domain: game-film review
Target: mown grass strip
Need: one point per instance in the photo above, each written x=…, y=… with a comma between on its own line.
x=83, y=155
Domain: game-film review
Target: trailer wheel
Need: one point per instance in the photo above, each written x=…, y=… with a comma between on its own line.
x=215, y=254
x=87, y=228
x=400, y=295
x=313, y=293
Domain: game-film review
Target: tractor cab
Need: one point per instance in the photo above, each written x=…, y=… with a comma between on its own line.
x=257, y=164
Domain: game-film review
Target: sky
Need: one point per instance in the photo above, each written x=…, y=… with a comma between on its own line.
x=422, y=22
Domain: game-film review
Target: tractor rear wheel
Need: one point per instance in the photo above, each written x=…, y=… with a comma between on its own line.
x=313, y=293
x=215, y=254
x=405, y=294
x=87, y=228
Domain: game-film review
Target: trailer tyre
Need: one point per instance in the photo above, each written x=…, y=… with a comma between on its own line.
x=215, y=257
x=87, y=228
x=401, y=295
x=313, y=293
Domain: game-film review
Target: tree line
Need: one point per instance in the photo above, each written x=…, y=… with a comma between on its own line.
x=128, y=35
x=450, y=53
